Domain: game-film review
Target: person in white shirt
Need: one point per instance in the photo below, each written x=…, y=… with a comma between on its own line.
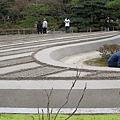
x=45, y=25
x=67, y=24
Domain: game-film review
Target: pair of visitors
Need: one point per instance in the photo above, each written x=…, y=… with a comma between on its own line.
x=42, y=27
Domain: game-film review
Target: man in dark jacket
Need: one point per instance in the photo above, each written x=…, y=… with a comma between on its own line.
x=107, y=23
x=114, y=60
x=39, y=27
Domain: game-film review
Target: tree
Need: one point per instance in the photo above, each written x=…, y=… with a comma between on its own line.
x=83, y=14
x=34, y=12
x=88, y=14
x=5, y=6
x=115, y=5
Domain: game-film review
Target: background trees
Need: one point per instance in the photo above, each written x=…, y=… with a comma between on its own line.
x=5, y=6
x=83, y=14
x=115, y=6
x=32, y=13
x=88, y=14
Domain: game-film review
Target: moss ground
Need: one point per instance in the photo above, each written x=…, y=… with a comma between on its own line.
x=96, y=62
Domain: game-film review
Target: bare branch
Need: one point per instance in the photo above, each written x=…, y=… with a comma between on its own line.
x=51, y=110
x=78, y=102
x=38, y=113
x=42, y=114
x=48, y=103
x=68, y=95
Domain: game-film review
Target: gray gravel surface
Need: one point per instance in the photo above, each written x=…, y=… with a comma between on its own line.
x=18, y=44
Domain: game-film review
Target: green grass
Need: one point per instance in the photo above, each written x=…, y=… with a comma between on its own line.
x=96, y=62
x=60, y=117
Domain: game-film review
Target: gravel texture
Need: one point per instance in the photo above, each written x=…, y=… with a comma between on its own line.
x=18, y=44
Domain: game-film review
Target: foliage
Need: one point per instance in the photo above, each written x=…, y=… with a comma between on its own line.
x=115, y=5
x=5, y=8
x=107, y=50
x=83, y=14
x=87, y=14
x=74, y=1
x=33, y=13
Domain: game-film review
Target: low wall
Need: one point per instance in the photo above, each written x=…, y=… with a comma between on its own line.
x=69, y=50
x=51, y=56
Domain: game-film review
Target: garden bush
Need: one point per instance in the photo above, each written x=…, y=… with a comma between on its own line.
x=107, y=50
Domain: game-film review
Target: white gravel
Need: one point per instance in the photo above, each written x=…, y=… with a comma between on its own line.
x=80, y=58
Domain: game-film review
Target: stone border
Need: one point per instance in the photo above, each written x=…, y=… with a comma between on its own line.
x=51, y=56
x=63, y=110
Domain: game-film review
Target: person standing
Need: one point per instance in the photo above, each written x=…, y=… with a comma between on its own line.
x=45, y=25
x=39, y=27
x=107, y=23
x=67, y=25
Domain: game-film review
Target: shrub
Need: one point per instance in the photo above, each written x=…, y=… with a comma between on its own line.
x=107, y=50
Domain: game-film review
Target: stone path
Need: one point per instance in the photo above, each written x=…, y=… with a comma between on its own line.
x=24, y=78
